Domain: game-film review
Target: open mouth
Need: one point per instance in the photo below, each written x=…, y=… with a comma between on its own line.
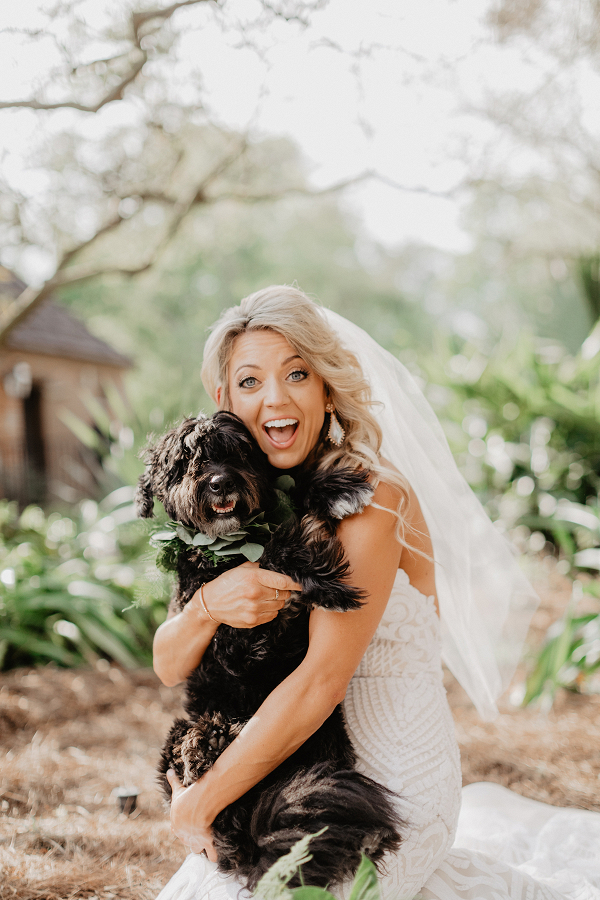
x=223, y=509
x=281, y=431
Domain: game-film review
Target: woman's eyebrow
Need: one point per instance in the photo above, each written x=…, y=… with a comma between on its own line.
x=246, y=366
x=254, y=366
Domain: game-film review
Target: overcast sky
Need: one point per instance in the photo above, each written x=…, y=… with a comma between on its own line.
x=371, y=84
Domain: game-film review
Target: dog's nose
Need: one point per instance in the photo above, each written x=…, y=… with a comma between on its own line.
x=220, y=484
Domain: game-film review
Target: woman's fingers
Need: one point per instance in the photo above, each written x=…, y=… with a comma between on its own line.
x=174, y=781
x=186, y=821
x=246, y=596
x=277, y=581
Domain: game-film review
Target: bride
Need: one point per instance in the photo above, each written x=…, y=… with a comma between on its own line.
x=313, y=388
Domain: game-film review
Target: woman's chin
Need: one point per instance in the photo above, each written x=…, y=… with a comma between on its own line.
x=284, y=457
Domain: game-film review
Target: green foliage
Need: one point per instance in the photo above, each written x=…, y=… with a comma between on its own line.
x=525, y=426
x=589, y=275
x=570, y=657
x=274, y=883
x=77, y=588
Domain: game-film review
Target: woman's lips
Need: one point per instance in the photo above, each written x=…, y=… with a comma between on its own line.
x=281, y=432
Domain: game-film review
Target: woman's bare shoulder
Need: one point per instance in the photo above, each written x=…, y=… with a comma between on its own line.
x=395, y=497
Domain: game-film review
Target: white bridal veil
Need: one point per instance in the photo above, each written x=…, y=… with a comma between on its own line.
x=485, y=600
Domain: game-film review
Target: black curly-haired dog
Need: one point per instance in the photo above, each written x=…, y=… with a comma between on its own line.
x=212, y=477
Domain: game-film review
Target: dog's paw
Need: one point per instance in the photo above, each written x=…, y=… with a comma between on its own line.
x=337, y=493
x=351, y=502
x=336, y=596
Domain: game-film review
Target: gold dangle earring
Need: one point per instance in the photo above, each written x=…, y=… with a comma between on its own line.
x=336, y=433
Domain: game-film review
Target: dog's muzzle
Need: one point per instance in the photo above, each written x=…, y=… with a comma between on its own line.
x=224, y=498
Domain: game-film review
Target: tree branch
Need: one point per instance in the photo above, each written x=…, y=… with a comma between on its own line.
x=331, y=189
x=115, y=94
x=137, y=21
x=32, y=297
x=67, y=275
x=140, y=18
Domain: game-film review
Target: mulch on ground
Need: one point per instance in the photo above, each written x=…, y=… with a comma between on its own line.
x=68, y=738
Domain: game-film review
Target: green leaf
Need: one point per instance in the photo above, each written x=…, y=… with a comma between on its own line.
x=253, y=552
x=218, y=545
x=92, y=591
x=80, y=429
x=285, y=483
x=106, y=641
x=311, y=893
x=184, y=535
x=365, y=886
x=33, y=645
x=272, y=885
x=229, y=551
x=162, y=536
x=201, y=540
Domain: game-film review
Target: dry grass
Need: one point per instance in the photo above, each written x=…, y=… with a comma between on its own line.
x=68, y=738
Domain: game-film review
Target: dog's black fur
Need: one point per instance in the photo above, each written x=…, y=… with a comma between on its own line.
x=215, y=462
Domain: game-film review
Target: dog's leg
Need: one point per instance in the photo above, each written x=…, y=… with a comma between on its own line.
x=318, y=565
x=192, y=748
x=358, y=814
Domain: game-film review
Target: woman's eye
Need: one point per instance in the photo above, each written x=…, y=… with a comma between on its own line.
x=249, y=382
x=298, y=375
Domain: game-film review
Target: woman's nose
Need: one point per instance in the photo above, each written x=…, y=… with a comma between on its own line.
x=276, y=393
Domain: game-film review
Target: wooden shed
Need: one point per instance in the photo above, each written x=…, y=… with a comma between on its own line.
x=50, y=367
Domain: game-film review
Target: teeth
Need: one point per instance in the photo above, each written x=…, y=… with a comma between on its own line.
x=224, y=509
x=280, y=423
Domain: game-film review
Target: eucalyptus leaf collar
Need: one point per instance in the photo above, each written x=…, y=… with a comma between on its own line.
x=225, y=545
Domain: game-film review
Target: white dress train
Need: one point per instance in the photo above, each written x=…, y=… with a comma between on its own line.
x=501, y=846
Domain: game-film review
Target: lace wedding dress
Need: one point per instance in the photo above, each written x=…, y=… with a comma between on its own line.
x=500, y=846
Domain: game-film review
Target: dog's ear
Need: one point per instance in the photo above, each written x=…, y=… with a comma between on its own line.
x=144, y=497
x=191, y=433
x=235, y=435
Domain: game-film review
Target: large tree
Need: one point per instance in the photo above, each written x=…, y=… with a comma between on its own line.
x=114, y=193
x=545, y=149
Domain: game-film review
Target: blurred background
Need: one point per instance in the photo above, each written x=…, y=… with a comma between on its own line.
x=430, y=170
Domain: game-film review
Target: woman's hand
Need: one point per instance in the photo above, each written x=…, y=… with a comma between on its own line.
x=187, y=821
x=245, y=596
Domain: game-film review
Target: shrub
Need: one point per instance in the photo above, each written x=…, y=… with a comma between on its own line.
x=77, y=588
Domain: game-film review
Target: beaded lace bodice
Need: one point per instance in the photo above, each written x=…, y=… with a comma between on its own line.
x=400, y=724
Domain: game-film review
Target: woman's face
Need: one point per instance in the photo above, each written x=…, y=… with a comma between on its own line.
x=277, y=396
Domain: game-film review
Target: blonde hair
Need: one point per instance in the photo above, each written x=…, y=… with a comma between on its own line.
x=290, y=313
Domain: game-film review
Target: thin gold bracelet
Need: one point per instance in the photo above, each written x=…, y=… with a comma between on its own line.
x=204, y=606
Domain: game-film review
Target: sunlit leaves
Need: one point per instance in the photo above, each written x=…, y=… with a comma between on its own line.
x=74, y=589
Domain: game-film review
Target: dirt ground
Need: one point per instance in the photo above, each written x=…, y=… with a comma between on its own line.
x=68, y=738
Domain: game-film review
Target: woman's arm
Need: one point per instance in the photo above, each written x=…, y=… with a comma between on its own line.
x=302, y=702
x=243, y=597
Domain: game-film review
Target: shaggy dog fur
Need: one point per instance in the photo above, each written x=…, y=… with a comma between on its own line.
x=211, y=476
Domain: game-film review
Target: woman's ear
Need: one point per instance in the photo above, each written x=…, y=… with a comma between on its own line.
x=218, y=395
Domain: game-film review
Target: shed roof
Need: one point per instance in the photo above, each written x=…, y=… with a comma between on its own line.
x=51, y=329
